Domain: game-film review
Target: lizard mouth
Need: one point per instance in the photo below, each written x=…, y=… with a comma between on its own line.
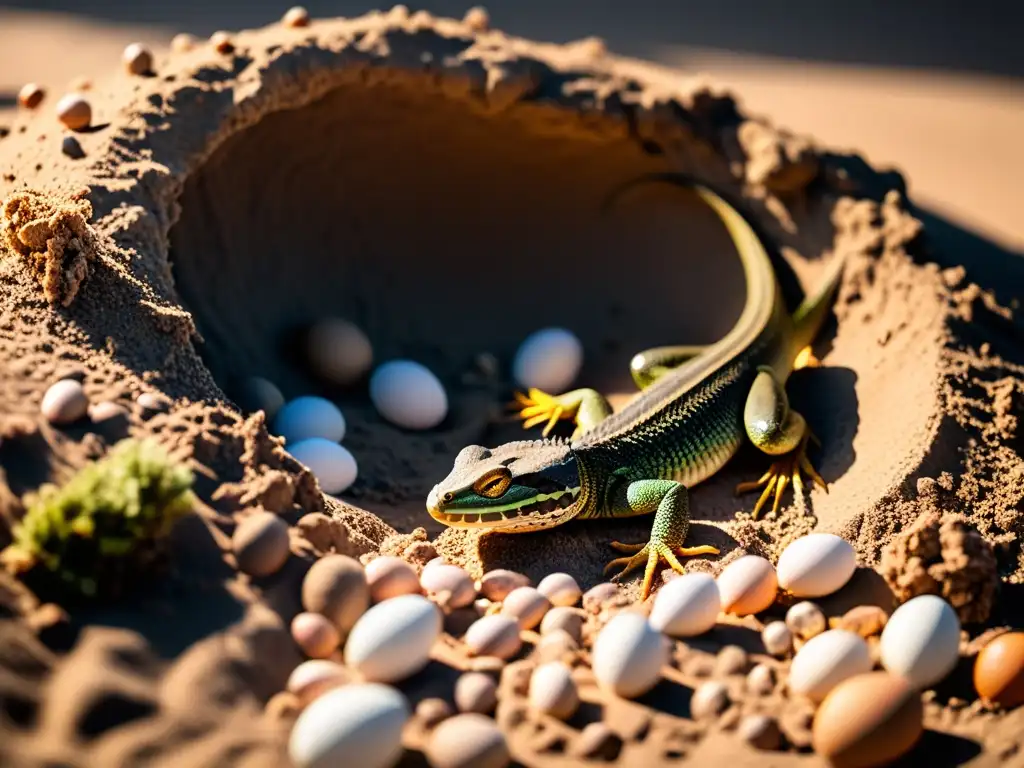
x=542, y=511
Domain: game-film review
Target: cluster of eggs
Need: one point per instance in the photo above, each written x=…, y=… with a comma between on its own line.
x=366, y=630
x=404, y=392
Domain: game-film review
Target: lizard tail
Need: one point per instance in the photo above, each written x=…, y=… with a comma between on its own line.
x=810, y=315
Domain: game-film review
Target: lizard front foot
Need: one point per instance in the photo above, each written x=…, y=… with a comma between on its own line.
x=652, y=553
x=781, y=473
x=583, y=407
x=537, y=407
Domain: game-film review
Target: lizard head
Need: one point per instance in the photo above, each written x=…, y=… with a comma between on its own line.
x=520, y=486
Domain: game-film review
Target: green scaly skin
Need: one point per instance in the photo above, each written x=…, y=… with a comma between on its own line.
x=696, y=407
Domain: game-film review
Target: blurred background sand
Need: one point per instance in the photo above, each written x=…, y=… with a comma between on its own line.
x=934, y=90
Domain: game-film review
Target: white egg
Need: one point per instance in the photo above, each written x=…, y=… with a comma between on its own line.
x=687, y=606
x=357, y=724
x=921, y=641
x=309, y=416
x=815, y=565
x=408, y=395
x=392, y=640
x=628, y=655
x=549, y=360
x=553, y=691
x=334, y=466
x=747, y=585
x=826, y=660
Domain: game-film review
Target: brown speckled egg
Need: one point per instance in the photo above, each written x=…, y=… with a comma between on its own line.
x=999, y=670
x=868, y=720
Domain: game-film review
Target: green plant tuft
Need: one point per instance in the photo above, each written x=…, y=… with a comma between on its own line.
x=97, y=532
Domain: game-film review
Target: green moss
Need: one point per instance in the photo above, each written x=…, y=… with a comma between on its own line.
x=96, y=532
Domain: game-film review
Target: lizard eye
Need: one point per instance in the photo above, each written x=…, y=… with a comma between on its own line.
x=448, y=497
x=493, y=484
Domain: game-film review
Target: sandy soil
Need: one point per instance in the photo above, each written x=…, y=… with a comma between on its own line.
x=200, y=257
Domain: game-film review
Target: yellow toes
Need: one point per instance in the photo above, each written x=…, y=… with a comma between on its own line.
x=537, y=407
x=653, y=554
x=783, y=472
x=805, y=359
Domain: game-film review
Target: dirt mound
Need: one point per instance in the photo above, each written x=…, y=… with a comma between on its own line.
x=440, y=187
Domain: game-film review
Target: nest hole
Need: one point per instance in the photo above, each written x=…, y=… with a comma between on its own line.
x=443, y=232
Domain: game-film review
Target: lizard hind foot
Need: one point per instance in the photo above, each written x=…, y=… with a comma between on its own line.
x=785, y=470
x=536, y=407
x=652, y=554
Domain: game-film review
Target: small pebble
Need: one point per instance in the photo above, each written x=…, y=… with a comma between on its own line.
x=999, y=670
x=359, y=725
x=313, y=677
x=310, y=416
x=825, y=661
x=65, y=402
x=74, y=111
x=477, y=19
x=221, y=42
x=597, y=740
x=868, y=720
x=816, y=565
x=450, y=585
x=80, y=84
x=777, y=639
x=527, y=605
x=731, y=660
x=553, y=691
x=335, y=586
x=805, y=620
x=628, y=655
x=315, y=635
x=152, y=402
x=761, y=680
x=747, y=585
x=495, y=585
x=31, y=95
x=338, y=351
x=107, y=411
x=331, y=463
x=921, y=641
x=390, y=576
x=138, y=59
x=709, y=700
x=468, y=740
x=494, y=635
x=71, y=147
x=476, y=692
x=296, y=16
x=432, y=711
x=686, y=606
x=760, y=732
x=261, y=544
x=392, y=640
x=259, y=394
x=556, y=646
x=560, y=589
x=561, y=617
x=865, y=620
x=183, y=42
x=548, y=360
x=490, y=664
x=282, y=707
x=408, y=395
x=595, y=597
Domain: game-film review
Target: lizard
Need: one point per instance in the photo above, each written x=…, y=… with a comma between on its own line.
x=695, y=407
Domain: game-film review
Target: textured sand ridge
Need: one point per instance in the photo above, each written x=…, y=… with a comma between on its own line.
x=439, y=187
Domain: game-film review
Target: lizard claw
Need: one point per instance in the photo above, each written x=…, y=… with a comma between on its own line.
x=781, y=473
x=652, y=553
x=537, y=407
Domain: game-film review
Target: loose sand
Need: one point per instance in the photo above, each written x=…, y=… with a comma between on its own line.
x=386, y=168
